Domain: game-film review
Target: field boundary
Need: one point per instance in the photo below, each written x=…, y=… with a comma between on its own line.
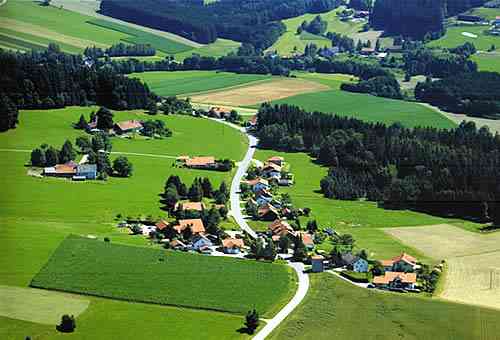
x=233, y=87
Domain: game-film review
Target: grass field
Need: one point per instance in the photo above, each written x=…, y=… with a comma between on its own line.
x=486, y=13
x=290, y=40
x=349, y=312
x=185, y=82
x=254, y=94
x=92, y=267
x=363, y=220
x=454, y=37
x=473, y=270
x=219, y=48
x=40, y=306
x=487, y=61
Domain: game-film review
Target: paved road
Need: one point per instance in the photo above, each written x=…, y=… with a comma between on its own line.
x=303, y=287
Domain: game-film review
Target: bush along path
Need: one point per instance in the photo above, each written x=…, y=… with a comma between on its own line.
x=298, y=267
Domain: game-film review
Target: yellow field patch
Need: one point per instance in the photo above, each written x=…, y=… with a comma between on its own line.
x=473, y=260
x=259, y=93
x=37, y=305
x=39, y=31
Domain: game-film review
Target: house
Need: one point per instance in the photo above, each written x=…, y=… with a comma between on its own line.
x=278, y=160
x=252, y=123
x=232, y=245
x=360, y=265
x=496, y=22
x=329, y=52
x=367, y=51
x=177, y=245
x=218, y=112
x=271, y=170
x=281, y=228
x=396, y=280
x=402, y=263
x=317, y=263
x=147, y=229
x=128, y=126
x=201, y=242
x=195, y=224
x=66, y=170
x=268, y=213
x=307, y=240
x=88, y=171
x=201, y=163
x=258, y=184
x=263, y=200
x=162, y=224
x=194, y=206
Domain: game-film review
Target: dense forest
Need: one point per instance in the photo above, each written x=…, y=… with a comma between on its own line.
x=52, y=79
x=121, y=50
x=473, y=93
x=256, y=22
x=442, y=172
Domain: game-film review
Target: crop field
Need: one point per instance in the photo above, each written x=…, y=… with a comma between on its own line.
x=186, y=82
x=291, y=41
x=364, y=220
x=92, y=267
x=487, y=61
x=383, y=315
x=454, y=37
x=38, y=305
x=258, y=93
x=473, y=270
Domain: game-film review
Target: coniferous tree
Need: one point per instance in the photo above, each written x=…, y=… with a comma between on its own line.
x=67, y=152
x=195, y=193
x=38, y=157
x=104, y=119
x=252, y=321
x=51, y=156
x=8, y=113
x=123, y=167
x=82, y=123
x=207, y=187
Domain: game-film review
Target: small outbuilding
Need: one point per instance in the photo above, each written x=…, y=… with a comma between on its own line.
x=317, y=264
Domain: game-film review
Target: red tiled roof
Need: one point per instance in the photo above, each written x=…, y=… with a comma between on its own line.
x=200, y=161
x=273, y=166
x=403, y=257
x=195, y=224
x=307, y=238
x=197, y=206
x=65, y=169
x=129, y=125
x=233, y=243
x=281, y=228
x=275, y=158
x=162, y=225
x=391, y=276
x=257, y=180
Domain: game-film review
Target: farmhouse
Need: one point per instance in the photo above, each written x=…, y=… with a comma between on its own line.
x=496, y=22
x=278, y=160
x=190, y=206
x=396, y=280
x=258, y=184
x=128, y=126
x=402, y=263
x=87, y=171
x=232, y=245
x=307, y=240
x=354, y=263
x=72, y=170
x=201, y=242
x=268, y=213
x=200, y=163
x=195, y=224
x=367, y=51
x=162, y=224
x=271, y=170
x=281, y=228
x=177, y=245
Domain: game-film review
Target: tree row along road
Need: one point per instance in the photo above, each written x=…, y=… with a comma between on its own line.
x=303, y=279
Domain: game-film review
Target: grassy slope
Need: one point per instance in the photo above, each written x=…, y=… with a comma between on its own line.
x=486, y=13
x=487, y=61
x=349, y=312
x=93, y=267
x=361, y=219
x=454, y=37
x=219, y=48
x=36, y=215
x=365, y=107
x=183, y=82
x=286, y=43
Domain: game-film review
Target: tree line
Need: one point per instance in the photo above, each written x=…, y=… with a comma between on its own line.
x=121, y=50
x=52, y=79
x=256, y=22
x=442, y=172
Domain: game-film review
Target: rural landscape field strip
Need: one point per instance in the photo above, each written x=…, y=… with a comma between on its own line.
x=94, y=267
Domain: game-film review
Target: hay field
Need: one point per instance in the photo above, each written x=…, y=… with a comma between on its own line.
x=473, y=274
x=259, y=93
x=40, y=306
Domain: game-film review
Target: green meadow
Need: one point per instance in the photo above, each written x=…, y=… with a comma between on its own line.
x=290, y=41
x=486, y=13
x=454, y=37
x=93, y=267
x=363, y=106
x=362, y=219
x=487, y=61
x=350, y=312
x=185, y=82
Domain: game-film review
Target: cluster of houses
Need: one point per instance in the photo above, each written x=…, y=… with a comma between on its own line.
x=72, y=170
x=399, y=273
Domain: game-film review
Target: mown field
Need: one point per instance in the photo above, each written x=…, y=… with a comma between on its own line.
x=290, y=41
x=454, y=37
x=350, y=312
x=185, y=82
x=363, y=220
x=92, y=267
x=26, y=24
x=487, y=61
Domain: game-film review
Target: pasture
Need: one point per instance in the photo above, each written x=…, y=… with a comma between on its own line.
x=40, y=306
x=487, y=61
x=253, y=94
x=383, y=315
x=473, y=261
x=454, y=37
x=187, y=82
x=93, y=267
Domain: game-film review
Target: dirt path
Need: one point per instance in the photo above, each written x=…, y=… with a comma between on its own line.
x=89, y=7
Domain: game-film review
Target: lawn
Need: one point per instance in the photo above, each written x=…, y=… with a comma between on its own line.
x=335, y=309
x=486, y=13
x=487, y=61
x=369, y=108
x=290, y=40
x=454, y=37
x=184, y=82
x=94, y=267
x=361, y=219
x=218, y=48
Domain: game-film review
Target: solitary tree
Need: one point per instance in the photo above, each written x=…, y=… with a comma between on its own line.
x=67, y=324
x=122, y=166
x=252, y=321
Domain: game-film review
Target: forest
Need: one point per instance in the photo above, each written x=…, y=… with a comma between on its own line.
x=256, y=22
x=52, y=79
x=121, y=50
x=442, y=172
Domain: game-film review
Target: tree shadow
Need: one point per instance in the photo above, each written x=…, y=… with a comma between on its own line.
x=244, y=330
